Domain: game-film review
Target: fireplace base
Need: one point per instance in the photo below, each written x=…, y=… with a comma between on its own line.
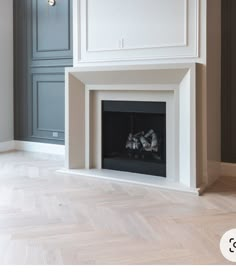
x=131, y=178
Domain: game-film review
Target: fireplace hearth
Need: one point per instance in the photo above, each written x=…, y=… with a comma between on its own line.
x=134, y=137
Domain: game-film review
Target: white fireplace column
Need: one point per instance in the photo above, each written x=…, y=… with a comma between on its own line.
x=174, y=84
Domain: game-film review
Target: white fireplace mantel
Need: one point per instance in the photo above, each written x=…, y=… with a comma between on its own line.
x=86, y=87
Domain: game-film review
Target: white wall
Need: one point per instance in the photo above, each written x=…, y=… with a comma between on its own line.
x=6, y=70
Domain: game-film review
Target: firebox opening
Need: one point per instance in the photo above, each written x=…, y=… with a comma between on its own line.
x=134, y=137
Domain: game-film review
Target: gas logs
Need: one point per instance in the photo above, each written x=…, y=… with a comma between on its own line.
x=141, y=143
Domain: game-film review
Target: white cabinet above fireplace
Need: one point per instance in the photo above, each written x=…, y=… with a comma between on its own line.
x=134, y=30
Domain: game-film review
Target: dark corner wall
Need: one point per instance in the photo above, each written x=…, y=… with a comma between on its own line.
x=229, y=81
x=42, y=50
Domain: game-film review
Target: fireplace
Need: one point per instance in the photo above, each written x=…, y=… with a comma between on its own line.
x=127, y=120
x=134, y=137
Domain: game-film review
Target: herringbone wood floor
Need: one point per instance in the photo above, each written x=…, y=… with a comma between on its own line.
x=48, y=218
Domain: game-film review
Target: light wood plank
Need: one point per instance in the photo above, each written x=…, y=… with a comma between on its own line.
x=51, y=218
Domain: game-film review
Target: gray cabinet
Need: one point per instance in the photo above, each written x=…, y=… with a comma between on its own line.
x=43, y=48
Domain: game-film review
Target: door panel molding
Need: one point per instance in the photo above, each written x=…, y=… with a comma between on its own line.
x=51, y=31
x=47, y=100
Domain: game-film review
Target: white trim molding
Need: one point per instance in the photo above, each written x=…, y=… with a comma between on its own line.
x=36, y=147
x=121, y=45
x=40, y=147
x=7, y=146
x=228, y=169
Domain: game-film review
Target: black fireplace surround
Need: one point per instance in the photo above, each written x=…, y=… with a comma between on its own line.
x=134, y=137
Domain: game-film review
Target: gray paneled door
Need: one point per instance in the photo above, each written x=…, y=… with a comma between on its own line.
x=43, y=48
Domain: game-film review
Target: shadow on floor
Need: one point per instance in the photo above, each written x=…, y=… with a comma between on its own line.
x=225, y=185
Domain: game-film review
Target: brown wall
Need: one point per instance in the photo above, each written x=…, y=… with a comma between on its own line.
x=228, y=91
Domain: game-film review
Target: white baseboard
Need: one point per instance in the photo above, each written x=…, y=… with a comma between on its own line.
x=228, y=169
x=7, y=146
x=32, y=147
x=40, y=147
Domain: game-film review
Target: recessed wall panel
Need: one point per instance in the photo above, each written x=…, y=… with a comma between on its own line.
x=51, y=27
x=48, y=106
x=136, y=24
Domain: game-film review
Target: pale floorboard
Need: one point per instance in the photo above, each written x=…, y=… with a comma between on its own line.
x=50, y=218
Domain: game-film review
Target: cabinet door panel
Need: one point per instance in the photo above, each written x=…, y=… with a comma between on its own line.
x=51, y=30
x=48, y=106
x=136, y=30
x=136, y=24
